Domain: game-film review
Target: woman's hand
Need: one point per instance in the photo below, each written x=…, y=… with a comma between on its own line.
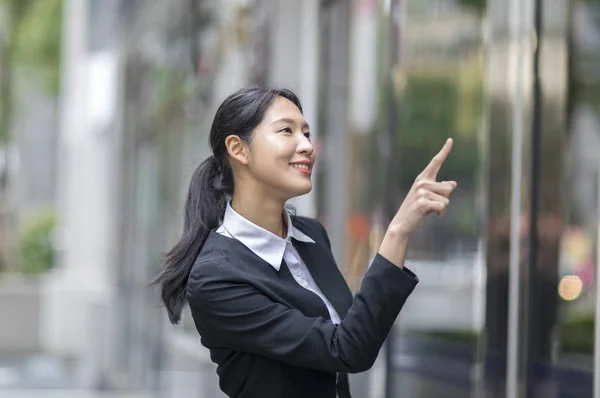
x=426, y=196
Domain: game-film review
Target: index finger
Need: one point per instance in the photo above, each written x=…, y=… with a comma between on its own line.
x=432, y=169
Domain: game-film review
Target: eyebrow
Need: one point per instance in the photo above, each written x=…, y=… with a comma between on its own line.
x=290, y=121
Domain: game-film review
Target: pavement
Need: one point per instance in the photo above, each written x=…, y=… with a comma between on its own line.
x=41, y=376
x=65, y=394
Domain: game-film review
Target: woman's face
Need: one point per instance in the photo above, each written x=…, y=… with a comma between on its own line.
x=280, y=154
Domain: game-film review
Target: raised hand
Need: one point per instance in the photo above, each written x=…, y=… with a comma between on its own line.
x=425, y=196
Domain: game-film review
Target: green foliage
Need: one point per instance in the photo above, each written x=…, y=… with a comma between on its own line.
x=480, y=6
x=454, y=336
x=35, y=246
x=38, y=41
x=34, y=37
x=437, y=104
x=17, y=8
x=32, y=42
x=578, y=334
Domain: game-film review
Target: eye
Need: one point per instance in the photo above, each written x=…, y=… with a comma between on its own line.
x=307, y=135
x=285, y=130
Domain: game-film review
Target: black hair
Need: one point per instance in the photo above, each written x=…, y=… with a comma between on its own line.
x=210, y=187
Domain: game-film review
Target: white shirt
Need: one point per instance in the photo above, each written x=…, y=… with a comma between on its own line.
x=273, y=249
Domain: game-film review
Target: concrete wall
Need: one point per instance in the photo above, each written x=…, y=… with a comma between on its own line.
x=35, y=135
x=20, y=312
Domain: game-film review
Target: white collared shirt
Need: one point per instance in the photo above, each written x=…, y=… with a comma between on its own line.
x=273, y=249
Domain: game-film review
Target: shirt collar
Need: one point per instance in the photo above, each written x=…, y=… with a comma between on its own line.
x=261, y=242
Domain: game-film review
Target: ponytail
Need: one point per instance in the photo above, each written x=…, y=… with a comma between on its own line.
x=204, y=207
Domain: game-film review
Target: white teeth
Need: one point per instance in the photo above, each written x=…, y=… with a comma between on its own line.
x=301, y=166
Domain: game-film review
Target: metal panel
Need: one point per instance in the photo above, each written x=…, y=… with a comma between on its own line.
x=519, y=29
x=334, y=52
x=597, y=323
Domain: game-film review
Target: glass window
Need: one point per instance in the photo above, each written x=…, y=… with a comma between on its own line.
x=413, y=76
x=437, y=75
x=577, y=279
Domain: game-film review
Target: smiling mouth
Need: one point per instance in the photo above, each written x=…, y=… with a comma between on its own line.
x=303, y=168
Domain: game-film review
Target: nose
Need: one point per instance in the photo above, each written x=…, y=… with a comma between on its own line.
x=305, y=146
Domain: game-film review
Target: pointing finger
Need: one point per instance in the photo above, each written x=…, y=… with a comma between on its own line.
x=432, y=169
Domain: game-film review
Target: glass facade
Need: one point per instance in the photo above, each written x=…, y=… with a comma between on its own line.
x=415, y=78
x=507, y=298
x=485, y=320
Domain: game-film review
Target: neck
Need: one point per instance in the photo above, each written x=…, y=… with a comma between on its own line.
x=265, y=212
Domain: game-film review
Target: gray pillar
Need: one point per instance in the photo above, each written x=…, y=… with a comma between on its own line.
x=334, y=160
x=293, y=63
x=86, y=179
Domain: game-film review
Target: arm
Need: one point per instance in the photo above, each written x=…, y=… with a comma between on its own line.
x=233, y=314
x=393, y=246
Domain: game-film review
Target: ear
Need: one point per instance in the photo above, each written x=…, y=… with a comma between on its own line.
x=237, y=149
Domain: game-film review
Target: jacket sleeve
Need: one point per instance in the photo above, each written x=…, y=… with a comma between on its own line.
x=233, y=314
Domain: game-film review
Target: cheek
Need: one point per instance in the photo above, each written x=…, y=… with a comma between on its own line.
x=272, y=151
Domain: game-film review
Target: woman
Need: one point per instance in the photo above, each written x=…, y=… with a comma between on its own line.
x=264, y=291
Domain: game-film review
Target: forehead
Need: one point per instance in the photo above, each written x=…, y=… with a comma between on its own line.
x=282, y=108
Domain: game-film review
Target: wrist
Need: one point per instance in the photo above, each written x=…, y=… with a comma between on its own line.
x=397, y=234
x=394, y=246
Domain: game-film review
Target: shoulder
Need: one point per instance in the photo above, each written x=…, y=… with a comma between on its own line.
x=212, y=265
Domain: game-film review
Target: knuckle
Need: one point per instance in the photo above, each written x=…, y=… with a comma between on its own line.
x=422, y=183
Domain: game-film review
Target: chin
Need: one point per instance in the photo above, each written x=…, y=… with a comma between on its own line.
x=300, y=189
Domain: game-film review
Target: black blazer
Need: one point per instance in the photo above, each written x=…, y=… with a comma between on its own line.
x=270, y=337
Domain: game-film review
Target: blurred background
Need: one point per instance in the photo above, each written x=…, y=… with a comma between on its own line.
x=105, y=109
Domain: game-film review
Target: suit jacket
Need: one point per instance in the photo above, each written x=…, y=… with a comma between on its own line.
x=270, y=337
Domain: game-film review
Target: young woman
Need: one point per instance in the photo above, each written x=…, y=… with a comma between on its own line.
x=264, y=290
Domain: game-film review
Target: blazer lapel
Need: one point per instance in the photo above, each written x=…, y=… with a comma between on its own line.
x=322, y=267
